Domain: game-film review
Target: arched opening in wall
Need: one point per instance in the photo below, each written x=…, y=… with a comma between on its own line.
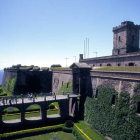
x=53, y=110
x=100, y=65
x=93, y=65
x=108, y=64
x=113, y=100
x=138, y=108
x=118, y=64
x=11, y=115
x=33, y=112
x=131, y=64
x=96, y=94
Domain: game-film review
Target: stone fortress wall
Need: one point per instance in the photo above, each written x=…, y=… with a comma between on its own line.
x=29, y=79
x=121, y=81
x=59, y=77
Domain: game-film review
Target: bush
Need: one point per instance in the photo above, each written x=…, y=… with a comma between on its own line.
x=51, y=106
x=55, y=65
x=78, y=135
x=69, y=123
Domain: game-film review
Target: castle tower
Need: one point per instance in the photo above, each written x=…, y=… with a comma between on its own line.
x=125, y=38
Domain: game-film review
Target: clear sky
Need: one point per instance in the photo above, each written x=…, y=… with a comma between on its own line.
x=45, y=32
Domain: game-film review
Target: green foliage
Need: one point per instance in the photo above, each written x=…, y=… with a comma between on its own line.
x=120, y=121
x=137, y=89
x=10, y=85
x=78, y=135
x=34, y=132
x=67, y=88
x=69, y=123
x=55, y=65
x=51, y=106
x=4, y=92
x=113, y=68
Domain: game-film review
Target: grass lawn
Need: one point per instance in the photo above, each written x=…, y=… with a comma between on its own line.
x=89, y=131
x=60, y=134
x=28, y=115
x=113, y=68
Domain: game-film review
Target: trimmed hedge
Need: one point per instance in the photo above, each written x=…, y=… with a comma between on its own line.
x=51, y=106
x=78, y=135
x=119, y=120
x=69, y=123
x=37, y=131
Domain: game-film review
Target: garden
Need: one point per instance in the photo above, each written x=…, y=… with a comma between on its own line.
x=70, y=131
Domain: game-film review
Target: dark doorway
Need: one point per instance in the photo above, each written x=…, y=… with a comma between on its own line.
x=96, y=93
x=108, y=64
x=119, y=64
x=138, y=108
x=113, y=100
x=131, y=64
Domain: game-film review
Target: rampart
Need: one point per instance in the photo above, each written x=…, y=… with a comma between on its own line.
x=59, y=77
x=27, y=79
x=122, y=81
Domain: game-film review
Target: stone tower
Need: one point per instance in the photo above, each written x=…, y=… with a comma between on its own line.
x=126, y=38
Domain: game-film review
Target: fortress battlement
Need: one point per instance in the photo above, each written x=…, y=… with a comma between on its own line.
x=18, y=67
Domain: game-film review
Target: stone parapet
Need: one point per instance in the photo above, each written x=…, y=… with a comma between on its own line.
x=115, y=74
x=64, y=71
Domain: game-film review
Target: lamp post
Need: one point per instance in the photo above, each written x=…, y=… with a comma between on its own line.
x=75, y=58
x=66, y=61
x=96, y=53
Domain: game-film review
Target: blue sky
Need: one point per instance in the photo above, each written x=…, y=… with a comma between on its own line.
x=45, y=32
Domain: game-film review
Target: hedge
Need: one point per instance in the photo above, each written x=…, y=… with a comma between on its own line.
x=118, y=121
x=38, y=131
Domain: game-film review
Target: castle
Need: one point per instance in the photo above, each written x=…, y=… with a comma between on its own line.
x=109, y=101
x=125, y=48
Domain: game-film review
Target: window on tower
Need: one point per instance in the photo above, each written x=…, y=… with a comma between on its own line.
x=119, y=38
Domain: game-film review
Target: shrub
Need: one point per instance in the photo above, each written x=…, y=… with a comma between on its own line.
x=51, y=106
x=78, y=135
x=69, y=123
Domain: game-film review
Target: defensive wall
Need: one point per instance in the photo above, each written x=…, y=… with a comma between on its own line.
x=27, y=80
x=60, y=77
x=122, y=81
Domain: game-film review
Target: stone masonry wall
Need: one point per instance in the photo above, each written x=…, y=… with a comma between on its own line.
x=7, y=75
x=121, y=81
x=60, y=77
x=35, y=81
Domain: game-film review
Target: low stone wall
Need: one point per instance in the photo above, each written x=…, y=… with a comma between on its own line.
x=59, y=77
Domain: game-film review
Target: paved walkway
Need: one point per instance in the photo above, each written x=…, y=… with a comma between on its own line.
x=38, y=99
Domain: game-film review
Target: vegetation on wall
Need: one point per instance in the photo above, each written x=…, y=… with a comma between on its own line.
x=56, y=65
x=117, y=119
x=11, y=84
x=66, y=88
x=116, y=68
